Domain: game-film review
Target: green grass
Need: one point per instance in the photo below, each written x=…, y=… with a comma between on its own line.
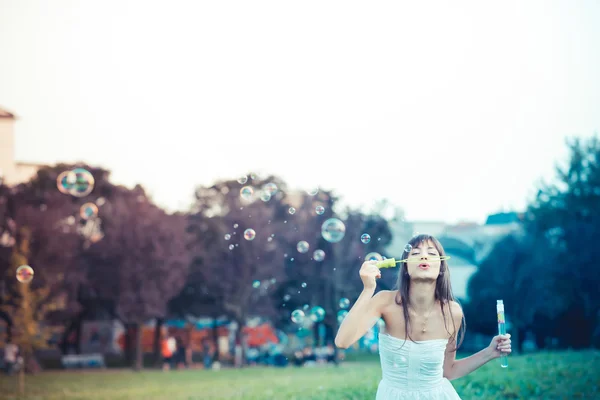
x=564, y=375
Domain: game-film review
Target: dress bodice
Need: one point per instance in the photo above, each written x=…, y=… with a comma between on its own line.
x=411, y=369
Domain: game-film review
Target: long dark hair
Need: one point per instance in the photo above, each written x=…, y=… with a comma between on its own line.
x=443, y=288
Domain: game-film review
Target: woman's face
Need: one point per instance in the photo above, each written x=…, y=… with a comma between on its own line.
x=424, y=262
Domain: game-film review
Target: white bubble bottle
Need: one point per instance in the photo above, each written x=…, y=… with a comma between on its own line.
x=501, y=329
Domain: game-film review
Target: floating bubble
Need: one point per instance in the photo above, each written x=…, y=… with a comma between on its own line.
x=407, y=248
x=84, y=183
x=320, y=210
x=317, y=314
x=242, y=179
x=312, y=191
x=287, y=297
x=255, y=284
x=298, y=316
x=373, y=256
x=231, y=247
x=303, y=284
x=319, y=255
x=302, y=246
x=88, y=211
x=235, y=226
x=227, y=236
x=344, y=303
x=24, y=274
x=333, y=230
x=341, y=315
x=265, y=196
x=65, y=181
x=305, y=307
x=365, y=238
x=101, y=201
x=270, y=188
x=292, y=210
x=247, y=192
x=249, y=234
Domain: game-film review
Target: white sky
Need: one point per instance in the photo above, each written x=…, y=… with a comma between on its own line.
x=451, y=110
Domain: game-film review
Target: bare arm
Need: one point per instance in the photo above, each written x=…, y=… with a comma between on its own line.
x=454, y=369
x=366, y=310
x=362, y=316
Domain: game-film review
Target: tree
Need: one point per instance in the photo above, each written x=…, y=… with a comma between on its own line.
x=141, y=261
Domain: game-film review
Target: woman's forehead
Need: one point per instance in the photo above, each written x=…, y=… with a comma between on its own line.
x=426, y=244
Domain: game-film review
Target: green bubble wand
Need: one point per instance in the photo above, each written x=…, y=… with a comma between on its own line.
x=391, y=262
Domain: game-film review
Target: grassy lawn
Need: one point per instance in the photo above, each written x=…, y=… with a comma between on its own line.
x=561, y=375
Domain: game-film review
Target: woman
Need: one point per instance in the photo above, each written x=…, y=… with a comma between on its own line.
x=422, y=322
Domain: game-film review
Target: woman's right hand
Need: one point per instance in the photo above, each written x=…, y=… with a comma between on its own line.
x=369, y=273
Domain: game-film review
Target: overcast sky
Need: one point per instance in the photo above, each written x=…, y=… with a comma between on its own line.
x=451, y=110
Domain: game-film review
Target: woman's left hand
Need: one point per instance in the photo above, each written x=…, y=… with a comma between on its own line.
x=499, y=346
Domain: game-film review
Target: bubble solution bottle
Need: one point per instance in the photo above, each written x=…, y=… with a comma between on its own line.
x=501, y=329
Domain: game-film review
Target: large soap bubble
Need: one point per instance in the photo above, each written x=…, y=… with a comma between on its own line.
x=333, y=230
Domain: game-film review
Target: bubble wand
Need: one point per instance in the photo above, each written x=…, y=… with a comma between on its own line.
x=501, y=329
x=391, y=262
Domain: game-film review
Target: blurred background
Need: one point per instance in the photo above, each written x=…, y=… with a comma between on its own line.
x=194, y=185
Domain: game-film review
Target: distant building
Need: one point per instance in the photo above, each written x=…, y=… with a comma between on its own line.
x=12, y=172
x=467, y=243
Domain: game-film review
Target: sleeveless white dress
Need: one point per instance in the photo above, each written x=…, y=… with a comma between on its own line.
x=413, y=370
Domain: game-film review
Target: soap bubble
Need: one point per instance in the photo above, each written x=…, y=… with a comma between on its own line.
x=341, y=315
x=88, y=211
x=365, y=238
x=255, y=284
x=270, y=188
x=265, y=196
x=292, y=210
x=312, y=191
x=319, y=255
x=84, y=183
x=249, y=234
x=303, y=285
x=344, y=303
x=317, y=314
x=24, y=274
x=333, y=230
x=242, y=179
x=227, y=236
x=247, y=192
x=298, y=316
x=320, y=210
x=302, y=246
x=407, y=248
x=235, y=226
x=373, y=256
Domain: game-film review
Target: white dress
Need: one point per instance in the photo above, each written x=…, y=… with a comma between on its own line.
x=413, y=370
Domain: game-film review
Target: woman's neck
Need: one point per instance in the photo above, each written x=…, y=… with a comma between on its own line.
x=421, y=296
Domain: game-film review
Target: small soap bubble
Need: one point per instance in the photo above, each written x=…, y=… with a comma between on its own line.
x=227, y=236
x=88, y=211
x=292, y=210
x=341, y=315
x=333, y=230
x=344, y=303
x=84, y=183
x=365, y=238
x=249, y=234
x=101, y=201
x=242, y=179
x=231, y=246
x=302, y=246
x=25, y=274
x=305, y=307
x=312, y=191
x=270, y=188
x=320, y=210
x=319, y=255
x=270, y=239
x=373, y=256
x=235, y=226
x=317, y=314
x=247, y=192
x=303, y=284
x=256, y=284
x=287, y=297
x=407, y=248
x=265, y=196
x=298, y=316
